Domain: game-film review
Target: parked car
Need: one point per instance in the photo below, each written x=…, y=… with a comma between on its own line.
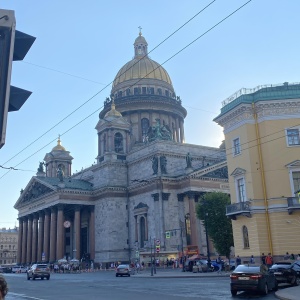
x=38, y=271
x=123, y=270
x=19, y=269
x=252, y=278
x=5, y=270
x=287, y=272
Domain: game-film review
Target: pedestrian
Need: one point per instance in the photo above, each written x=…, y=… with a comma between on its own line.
x=263, y=258
x=298, y=257
x=219, y=263
x=287, y=256
x=269, y=260
x=252, y=261
x=137, y=267
x=238, y=260
x=292, y=256
x=3, y=288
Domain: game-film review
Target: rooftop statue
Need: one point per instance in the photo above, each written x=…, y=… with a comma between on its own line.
x=60, y=174
x=159, y=132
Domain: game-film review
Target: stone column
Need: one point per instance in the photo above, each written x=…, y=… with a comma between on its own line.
x=34, y=238
x=77, y=228
x=92, y=233
x=40, y=236
x=177, y=130
x=139, y=127
x=24, y=240
x=46, y=241
x=182, y=138
x=20, y=235
x=60, y=233
x=136, y=229
x=53, y=234
x=29, y=240
x=109, y=140
x=193, y=223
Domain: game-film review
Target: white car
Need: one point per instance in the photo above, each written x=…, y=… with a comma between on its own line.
x=19, y=269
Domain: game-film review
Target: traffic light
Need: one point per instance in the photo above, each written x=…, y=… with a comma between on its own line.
x=14, y=45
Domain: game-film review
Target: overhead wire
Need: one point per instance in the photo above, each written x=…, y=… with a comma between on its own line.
x=182, y=49
x=84, y=103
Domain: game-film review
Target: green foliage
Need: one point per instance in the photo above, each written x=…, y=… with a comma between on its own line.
x=212, y=210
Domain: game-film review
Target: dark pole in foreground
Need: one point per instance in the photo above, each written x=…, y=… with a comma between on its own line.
x=182, y=256
x=151, y=257
x=207, y=242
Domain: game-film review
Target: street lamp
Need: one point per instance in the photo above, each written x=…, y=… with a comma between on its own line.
x=207, y=242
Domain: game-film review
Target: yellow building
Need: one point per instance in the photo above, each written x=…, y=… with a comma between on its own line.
x=8, y=246
x=261, y=127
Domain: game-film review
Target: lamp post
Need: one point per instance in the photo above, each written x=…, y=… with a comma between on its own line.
x=207, y=242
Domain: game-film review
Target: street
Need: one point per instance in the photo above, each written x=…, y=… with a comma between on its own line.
x=104, y=285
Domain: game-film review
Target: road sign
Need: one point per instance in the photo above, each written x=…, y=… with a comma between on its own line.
x=168, y=234
x=157, y=242
x=43, y=256
x=157, y=248
x=137, y=254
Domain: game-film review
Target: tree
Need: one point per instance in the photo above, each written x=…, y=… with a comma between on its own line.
x=212, y=209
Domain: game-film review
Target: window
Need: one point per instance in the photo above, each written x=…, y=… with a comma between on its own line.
x=145, y=126
x=296, y=180
x=144, y=90
x=118, y=142
x=159, y=91
x=104, y=143
x=236, y=146
x=293, y=137
x=245, y=237
x=128, y=92
x=240, y=182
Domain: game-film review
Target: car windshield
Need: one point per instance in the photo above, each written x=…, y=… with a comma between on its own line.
x=41, y=266
x=123, y=266
x=281, y=265
x=247, y=269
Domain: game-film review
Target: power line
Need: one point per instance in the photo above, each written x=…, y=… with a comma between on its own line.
x=106, y=86
x=207, y=31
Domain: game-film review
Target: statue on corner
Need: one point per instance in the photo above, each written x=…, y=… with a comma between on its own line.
x=188, y=161
x=60, y=174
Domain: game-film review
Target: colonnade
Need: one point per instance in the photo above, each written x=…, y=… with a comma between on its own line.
x=43, y=234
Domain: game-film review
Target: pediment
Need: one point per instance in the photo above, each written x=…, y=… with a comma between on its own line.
x=34, y=190
x=238, y=172
x=218, y=170
x=293, y=164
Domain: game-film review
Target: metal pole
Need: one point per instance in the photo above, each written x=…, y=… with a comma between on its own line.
x=154, y=240
x=151, y=257
x=207, y=242
x=182, y=257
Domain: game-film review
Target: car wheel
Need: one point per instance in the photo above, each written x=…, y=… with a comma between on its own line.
x=128, y=275
x=265, y=290
x=33, y=277
x=233, y=293
x=297, y=281
x=42, y=278
x=117, y=275
x=48, y=277
x=275, y=286
x=28, y=278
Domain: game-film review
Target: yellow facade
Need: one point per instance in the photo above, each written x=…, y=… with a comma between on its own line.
x=262, y=144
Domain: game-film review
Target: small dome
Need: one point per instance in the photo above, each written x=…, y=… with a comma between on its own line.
x=58, y=146
x=113, y=112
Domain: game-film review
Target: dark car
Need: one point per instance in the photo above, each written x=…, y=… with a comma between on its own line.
x=252, y=278
x=38, y=271
x=287, y=272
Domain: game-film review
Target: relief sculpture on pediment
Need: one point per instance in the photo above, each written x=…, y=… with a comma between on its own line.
x=35, y=191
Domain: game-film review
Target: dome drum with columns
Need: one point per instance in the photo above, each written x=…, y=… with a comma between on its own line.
x=143, y=90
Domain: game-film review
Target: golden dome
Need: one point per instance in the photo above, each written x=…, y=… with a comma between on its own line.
x=113, y=112
x=142, y=68
x=58, y=146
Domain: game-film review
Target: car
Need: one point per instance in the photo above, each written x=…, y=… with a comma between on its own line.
x=252, y=278
x=19, y=269
x=5, y=270
x=38, y=271
x=287, y=272
x=123, y=270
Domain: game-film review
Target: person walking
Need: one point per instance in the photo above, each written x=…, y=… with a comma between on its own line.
x=238, y=260
x=252, y=261
x=219, y=263
x=263, y=258
x=269, y=260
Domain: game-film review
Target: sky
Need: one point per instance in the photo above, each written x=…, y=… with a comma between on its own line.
x=81, y=45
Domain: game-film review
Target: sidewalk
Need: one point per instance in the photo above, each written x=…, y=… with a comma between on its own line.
x=289, y=293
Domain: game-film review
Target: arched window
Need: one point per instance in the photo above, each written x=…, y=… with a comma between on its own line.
x=142, y=231
x=145, y=126
x=159, y=91
x=246, y=237
x=118, y=142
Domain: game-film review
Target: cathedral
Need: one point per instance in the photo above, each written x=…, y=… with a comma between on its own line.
x=141, y=192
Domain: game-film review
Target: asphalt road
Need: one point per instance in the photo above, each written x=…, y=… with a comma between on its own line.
x=105, y=286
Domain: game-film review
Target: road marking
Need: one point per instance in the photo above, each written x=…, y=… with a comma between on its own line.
x=24, y=296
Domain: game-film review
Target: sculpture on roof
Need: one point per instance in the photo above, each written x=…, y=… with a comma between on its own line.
x=159, y=132
x=60, y=174
x=155, y=164
x=163, y=164
x=188, y=160
x=41, y=167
